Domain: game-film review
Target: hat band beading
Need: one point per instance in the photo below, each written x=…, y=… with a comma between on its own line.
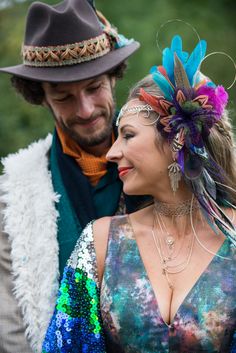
x=68, y=54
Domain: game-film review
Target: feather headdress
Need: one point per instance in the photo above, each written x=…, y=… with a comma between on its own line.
x=189, y=106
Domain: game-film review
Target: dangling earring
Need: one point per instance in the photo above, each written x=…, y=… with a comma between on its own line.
x=174, y=175
x=174, y=168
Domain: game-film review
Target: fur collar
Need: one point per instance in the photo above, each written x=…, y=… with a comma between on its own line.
x=30, y=219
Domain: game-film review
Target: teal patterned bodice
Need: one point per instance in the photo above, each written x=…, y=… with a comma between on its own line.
x=205, y=321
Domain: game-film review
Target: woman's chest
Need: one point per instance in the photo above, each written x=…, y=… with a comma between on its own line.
x=203, y=321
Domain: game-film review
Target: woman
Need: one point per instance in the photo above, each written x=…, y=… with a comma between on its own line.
x=163, y=278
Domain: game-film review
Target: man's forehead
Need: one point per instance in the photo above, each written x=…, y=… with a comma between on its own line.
x=65, y=86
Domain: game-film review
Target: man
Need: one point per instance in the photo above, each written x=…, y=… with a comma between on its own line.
x=51, y=190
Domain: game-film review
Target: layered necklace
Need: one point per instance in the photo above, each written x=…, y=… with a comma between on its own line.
x=167, y=246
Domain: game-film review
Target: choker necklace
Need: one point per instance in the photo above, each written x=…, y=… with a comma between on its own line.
x=175, y=209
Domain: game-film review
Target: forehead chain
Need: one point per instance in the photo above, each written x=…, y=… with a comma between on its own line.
x=135, y=109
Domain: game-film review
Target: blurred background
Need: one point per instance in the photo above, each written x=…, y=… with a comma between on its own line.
x=21, y=123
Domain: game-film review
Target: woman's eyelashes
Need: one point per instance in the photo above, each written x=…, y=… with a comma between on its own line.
x=128, y=135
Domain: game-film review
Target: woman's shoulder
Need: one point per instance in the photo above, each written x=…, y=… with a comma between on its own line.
x=102, y=225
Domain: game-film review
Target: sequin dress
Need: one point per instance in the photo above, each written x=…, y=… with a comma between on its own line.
x=130, y=320
x=205, y=322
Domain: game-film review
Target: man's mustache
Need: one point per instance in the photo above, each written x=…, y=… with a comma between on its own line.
x=81, y=121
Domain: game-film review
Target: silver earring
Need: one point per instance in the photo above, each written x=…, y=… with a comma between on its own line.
x=174, y=168
x=174, y=175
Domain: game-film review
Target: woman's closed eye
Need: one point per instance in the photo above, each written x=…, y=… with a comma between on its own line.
x=127, y=132
x=128, y=135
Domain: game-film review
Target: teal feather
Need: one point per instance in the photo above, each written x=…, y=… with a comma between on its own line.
x=168, y=63
x=229, y=234
x=200, y=151
x=163, y=84
x=191, y=63
x=176, y=47
x=210, y=84
x=205, y=191
x=226, y=203
x=210, y=185
x=168, y=56
x=195, y=60
x=220, y=218
x=153, y=69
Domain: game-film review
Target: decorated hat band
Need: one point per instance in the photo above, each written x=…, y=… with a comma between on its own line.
x=69, y=54
x=69, y=42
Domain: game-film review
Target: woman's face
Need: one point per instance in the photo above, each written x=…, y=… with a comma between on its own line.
x=141, y=155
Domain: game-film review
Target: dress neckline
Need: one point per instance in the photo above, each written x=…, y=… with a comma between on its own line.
x=192, y=289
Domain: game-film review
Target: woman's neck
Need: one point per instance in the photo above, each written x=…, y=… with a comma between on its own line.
x=176, y=217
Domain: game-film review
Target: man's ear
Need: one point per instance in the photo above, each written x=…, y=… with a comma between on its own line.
x=45, y=103
x=113, y=81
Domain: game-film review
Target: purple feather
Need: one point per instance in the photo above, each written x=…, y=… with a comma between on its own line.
x=180, y=159
x=217, y=97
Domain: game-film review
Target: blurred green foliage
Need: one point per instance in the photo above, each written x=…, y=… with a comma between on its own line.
x=214, y=21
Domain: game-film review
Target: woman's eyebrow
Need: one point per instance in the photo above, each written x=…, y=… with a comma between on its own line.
x=124, y=126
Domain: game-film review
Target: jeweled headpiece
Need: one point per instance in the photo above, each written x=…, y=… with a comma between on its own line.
x=190, y=104
x=146, y=108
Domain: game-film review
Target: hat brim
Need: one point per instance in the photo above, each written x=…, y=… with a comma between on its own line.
x=75, y=72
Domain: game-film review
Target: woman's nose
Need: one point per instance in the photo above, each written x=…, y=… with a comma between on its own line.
x=114, y=153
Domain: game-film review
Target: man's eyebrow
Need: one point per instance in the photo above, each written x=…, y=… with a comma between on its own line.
x=57, y=93
x=95, y=80
x=55, y=88
x=59, y=89
x=53, y=84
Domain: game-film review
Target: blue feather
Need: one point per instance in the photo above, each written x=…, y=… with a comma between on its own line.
x=195, y=60
x=176, y=47
x=153, y=69
x=164, y=85
x=168, y=56
x=168, y=63
x=176, y=44
x=209, y=184
x=210, y=84
x=229, y=234
x=191, y=64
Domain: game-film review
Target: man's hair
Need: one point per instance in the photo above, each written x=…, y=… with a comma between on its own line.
x=33, y=93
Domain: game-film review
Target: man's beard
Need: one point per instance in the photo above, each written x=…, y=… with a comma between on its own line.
x=90, y=140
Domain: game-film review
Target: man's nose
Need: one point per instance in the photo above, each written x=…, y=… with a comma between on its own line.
x=85, y=107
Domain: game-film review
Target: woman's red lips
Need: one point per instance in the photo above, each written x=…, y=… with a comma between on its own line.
x=123, y=170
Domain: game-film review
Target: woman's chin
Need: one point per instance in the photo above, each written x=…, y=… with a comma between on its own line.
x=133, y=191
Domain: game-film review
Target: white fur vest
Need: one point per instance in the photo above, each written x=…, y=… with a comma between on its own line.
x=30, y=219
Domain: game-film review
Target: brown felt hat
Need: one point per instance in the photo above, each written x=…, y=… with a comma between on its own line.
x=69, y=42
